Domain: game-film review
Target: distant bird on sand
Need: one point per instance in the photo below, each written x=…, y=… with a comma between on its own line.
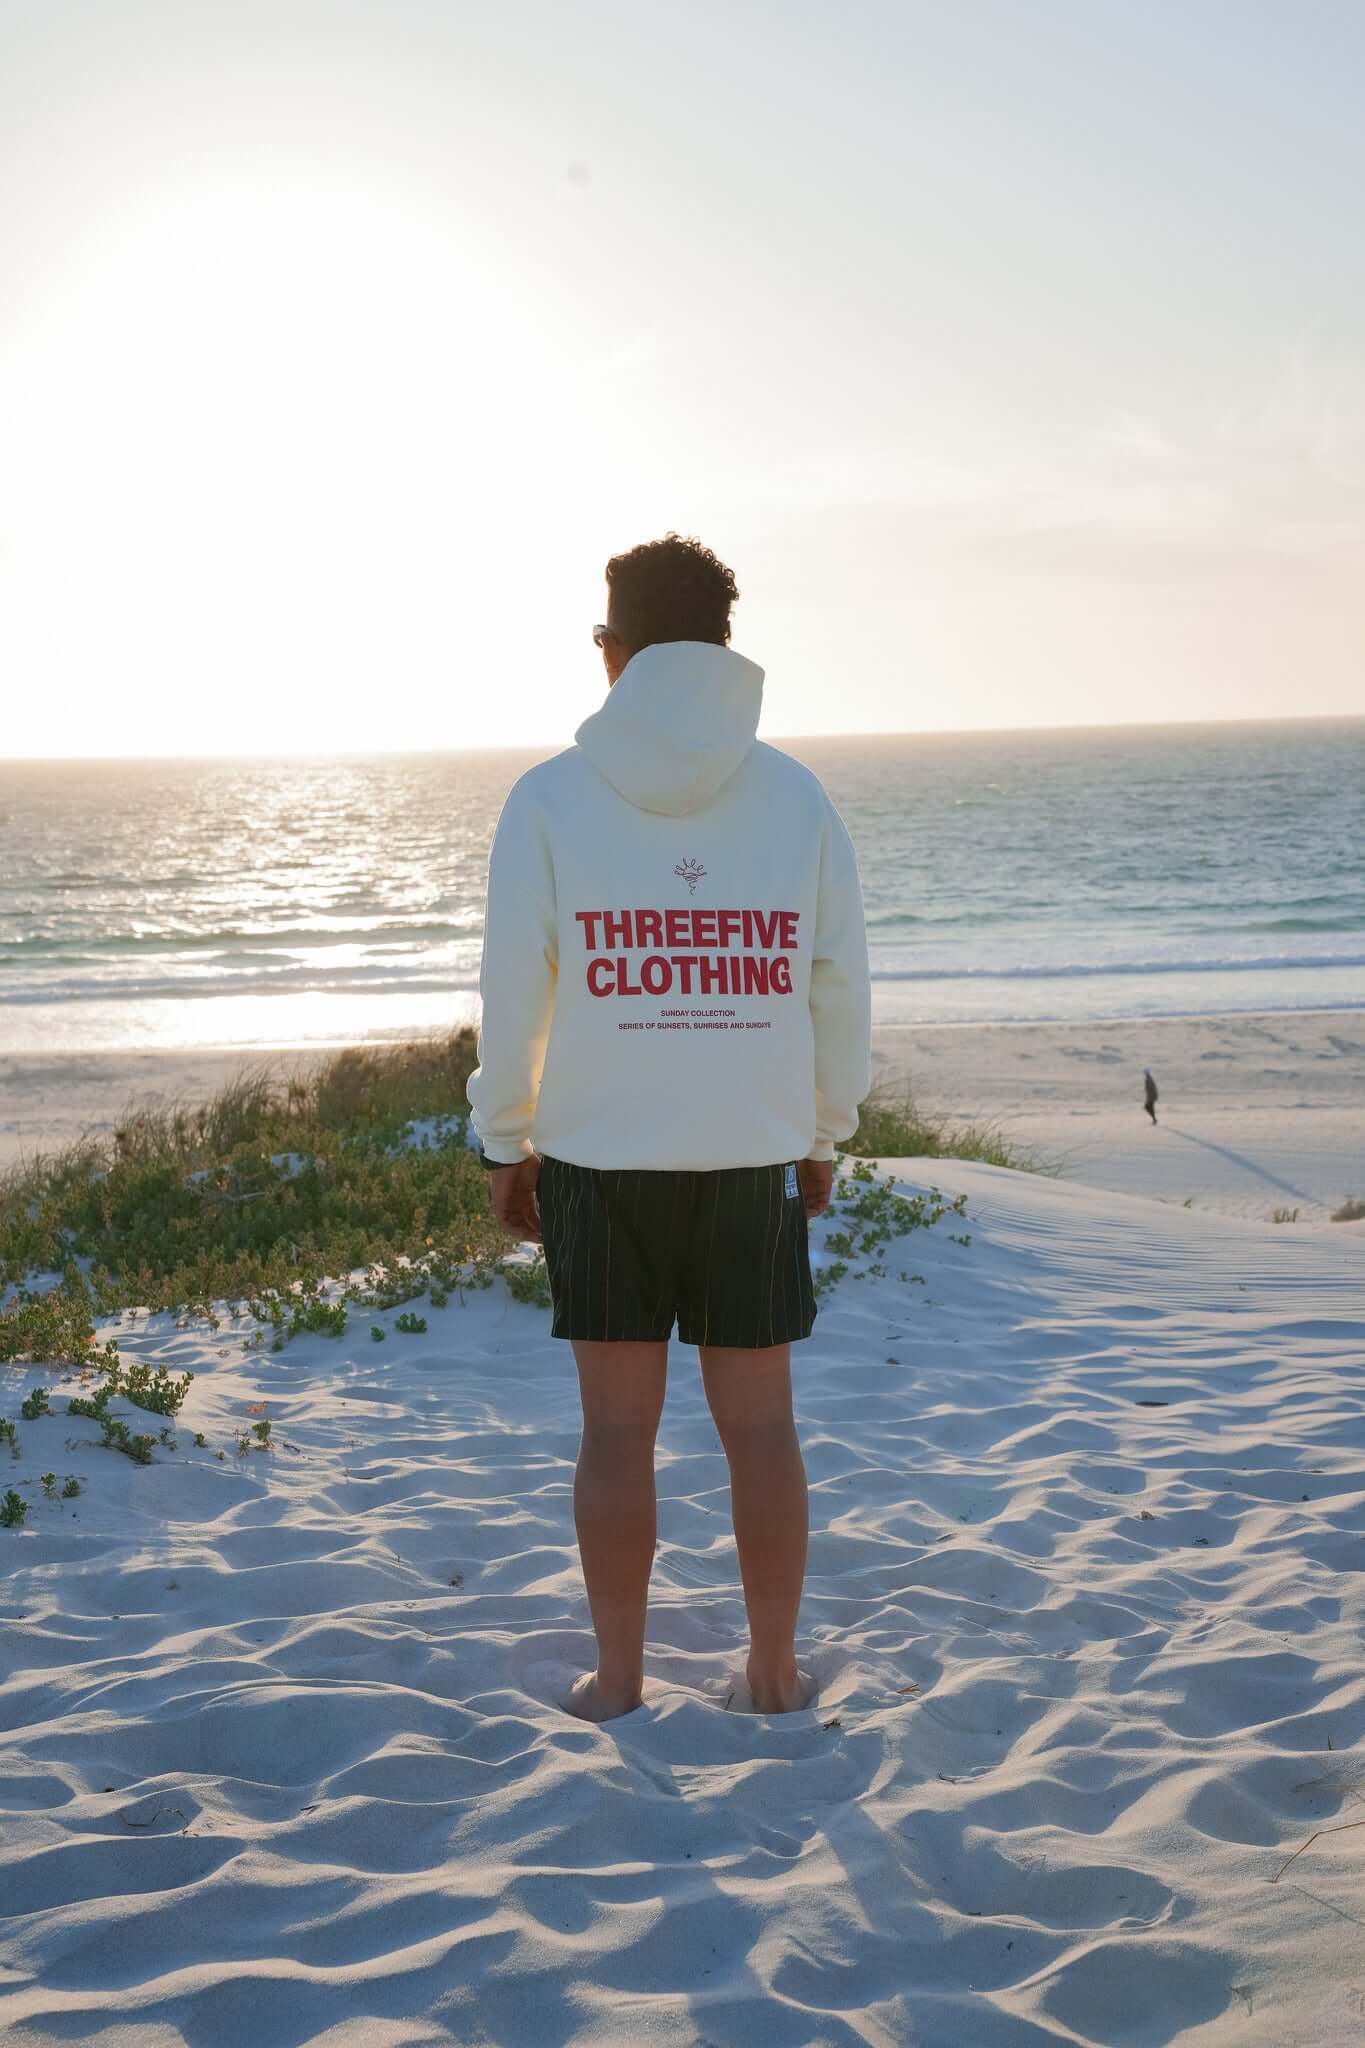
x=1149, y=1094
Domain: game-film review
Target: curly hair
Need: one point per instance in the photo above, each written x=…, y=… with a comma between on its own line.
x=670, y=589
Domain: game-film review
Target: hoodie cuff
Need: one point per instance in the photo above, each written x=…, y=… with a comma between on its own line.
x=823, y=1148
x=502, y=1152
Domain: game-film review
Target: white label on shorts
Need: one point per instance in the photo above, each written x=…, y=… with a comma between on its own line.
x=791, y=1185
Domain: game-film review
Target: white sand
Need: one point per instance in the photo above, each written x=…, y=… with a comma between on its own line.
x=283, y=1761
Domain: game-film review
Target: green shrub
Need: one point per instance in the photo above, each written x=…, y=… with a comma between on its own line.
x=93, y=1404
x=274, y=1190
x=873, y=1213
x=53, y=1327
x=528, y=1280
x=118, y=1437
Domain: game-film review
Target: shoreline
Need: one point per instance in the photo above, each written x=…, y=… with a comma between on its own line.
x=1257, y=1112
x=1264, y=1010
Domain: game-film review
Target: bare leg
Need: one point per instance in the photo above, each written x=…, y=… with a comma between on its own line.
x=750, y=1397
x=622, y=1387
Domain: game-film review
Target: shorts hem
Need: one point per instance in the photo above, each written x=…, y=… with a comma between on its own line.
x=740, y=1341
x=745, y=1341
x=616, y=1337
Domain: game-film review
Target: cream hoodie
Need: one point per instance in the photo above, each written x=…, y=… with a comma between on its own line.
x=675, y=966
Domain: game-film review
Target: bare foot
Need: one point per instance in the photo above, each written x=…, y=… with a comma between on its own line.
x=785, y=1692
x=592, y=1701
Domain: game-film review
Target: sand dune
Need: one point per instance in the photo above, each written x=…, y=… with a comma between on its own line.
x=283, y=1762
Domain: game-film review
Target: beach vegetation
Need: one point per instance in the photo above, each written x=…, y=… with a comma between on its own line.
x=263, y=1198
x=1352, y=1210
x=13, y=1508
x=153, y=1388
x=93, y=1405
x=118, y=1437
x=56, y=1327
x=528, y=1280
x=892, y=1125
x=288, y=1198
x=1284, y=1215
x=870, y=1213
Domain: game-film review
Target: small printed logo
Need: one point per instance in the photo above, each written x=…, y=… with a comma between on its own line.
x=791, y=1186
x=691, y=872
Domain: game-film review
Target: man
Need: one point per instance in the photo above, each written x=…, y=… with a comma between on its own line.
x=1149, y=1093
x=675, y=1034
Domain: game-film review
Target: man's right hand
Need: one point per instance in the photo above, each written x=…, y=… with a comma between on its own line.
x=512, y=1191
x=817, y=1183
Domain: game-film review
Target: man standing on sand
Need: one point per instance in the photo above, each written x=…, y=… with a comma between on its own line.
x=1149, y=1093
x=676, y=1032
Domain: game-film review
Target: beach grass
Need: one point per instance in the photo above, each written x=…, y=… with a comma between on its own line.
x=891, y=1125
x=280, y=1182
x=285, y=1182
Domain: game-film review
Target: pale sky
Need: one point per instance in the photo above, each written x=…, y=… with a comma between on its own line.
x=1012, y=352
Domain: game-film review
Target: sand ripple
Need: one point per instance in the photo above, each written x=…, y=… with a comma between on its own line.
x=1085, y=1598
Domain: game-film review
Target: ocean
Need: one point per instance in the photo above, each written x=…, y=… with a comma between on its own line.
x=1071, y=875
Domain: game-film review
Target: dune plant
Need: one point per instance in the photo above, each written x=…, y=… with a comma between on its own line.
x=289, y=1197
x=277, y=1189
x=529, y=1281
x=870, y=1213
x=891, y=1125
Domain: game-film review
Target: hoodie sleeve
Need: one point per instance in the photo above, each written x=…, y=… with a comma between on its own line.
x=517, y=980
x=840, y=992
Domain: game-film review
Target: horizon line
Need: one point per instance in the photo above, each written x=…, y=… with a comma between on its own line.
x=547, y=746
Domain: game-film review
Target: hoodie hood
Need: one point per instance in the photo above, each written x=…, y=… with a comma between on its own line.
x=679, y=720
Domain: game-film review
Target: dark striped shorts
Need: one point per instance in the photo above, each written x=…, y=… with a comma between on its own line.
x=725, y=1254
